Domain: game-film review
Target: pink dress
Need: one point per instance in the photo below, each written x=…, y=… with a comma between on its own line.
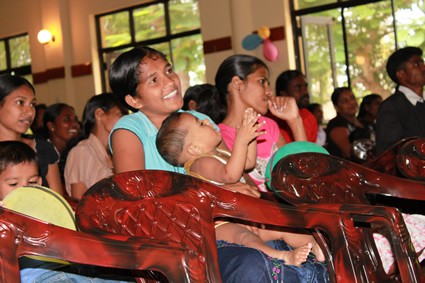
x=266, y=146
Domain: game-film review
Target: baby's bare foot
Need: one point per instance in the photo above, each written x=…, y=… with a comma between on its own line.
x=297, y=256
x=317, y=251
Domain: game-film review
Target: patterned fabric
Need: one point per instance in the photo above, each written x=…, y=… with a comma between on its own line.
x=263, y=268
x=415, y=224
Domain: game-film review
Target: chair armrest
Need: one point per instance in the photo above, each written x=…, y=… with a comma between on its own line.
x=23, y=235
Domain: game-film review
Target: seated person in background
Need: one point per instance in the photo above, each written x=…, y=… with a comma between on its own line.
x=37, y=124
x=317, y=111
x=368, y=111
x=205, y=98
x=402, y=114
x=17, y=101
x=365, y=138
x=185, y=140
x=18, y=167
x=63, y=130
x=293, y=83
x=345, y=130
x=89, y=161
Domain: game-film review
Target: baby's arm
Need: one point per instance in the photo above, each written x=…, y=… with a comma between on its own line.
x=231, y=172
x=251, y=157
x=244, y=152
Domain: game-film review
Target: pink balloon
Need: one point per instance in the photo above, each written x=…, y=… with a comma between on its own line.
x=270, y=51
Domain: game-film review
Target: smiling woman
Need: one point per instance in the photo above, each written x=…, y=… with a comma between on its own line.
x=154, y=92
x=62, y=127
x=17, y=102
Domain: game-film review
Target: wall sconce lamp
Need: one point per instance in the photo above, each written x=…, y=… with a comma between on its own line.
x=44, y=36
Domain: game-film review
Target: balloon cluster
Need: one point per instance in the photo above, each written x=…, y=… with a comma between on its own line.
x=252, y=41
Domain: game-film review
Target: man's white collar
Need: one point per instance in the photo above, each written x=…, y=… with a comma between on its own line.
x=411, y=95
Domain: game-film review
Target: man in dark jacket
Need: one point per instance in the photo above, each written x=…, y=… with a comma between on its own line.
x=402, y=114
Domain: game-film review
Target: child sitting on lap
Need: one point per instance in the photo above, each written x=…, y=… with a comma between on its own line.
x=184, y=140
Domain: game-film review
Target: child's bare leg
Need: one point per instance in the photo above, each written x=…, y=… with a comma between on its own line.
x=238, y=234
x=295, y=240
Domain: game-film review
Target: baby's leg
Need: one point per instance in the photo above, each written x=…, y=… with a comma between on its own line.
x=238, y=234
x=295, y=240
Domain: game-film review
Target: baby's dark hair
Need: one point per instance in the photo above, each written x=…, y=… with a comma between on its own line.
x=15, y=152
x=171, y=138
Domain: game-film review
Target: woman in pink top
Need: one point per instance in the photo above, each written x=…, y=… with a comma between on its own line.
x=243, y=81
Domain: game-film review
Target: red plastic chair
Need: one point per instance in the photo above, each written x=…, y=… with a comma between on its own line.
x=411, y=159
x=386, y=162
x=316, y=178
x=21, y=235
x=169, y=206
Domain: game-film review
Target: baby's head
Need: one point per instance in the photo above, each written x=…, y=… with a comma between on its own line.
x=182, y=137
x=18, y=166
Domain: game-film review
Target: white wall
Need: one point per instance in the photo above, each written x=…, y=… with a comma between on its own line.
x=71, y=21
x=238, y=18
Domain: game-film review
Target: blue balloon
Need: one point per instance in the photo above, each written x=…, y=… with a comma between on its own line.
x=288, y=149
x=252, y=41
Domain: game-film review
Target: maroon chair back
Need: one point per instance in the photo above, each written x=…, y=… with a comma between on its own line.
x=132, y=204
x=169, y=206
x=411, y=159
x=316, y=178
x=386, y=162
x=21, y=235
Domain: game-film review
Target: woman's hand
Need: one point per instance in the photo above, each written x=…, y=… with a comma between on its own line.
x=283, y=107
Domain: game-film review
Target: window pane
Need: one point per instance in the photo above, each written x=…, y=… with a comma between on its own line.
x=20, y=51
x=322, y=33
x=184, y=15
x=188, y=55
x=2, y=55
x=370, y=38
x=29, y=78
x=149, y=22
x=302, y=4
x=115, y=29
x=410, y=19
x=163, y=47
x=109, y=58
